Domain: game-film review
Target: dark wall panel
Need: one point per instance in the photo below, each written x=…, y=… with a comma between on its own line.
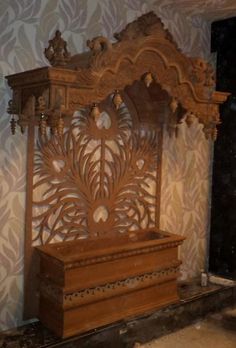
x=222, y=259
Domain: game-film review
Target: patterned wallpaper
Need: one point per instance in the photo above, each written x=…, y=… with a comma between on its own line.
x=25, y=28
x=210, y=10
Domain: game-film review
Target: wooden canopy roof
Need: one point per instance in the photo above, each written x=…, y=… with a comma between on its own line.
x=143, y=50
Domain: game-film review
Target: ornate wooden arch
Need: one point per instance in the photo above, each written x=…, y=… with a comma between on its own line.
x=143, y=48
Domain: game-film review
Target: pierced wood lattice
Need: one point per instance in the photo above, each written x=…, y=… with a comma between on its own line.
x=99, y=178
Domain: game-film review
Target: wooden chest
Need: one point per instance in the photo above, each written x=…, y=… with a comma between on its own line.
x=86, y=284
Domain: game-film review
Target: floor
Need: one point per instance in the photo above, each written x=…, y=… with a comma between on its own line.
x=196, y=302
x=203, y=334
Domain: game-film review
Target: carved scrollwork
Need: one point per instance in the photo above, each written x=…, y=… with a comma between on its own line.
x=210, y=130
x=99, y=44
x=202, y=72
x=143, y=26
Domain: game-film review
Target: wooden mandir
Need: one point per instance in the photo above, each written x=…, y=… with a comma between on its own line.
x=94, y=253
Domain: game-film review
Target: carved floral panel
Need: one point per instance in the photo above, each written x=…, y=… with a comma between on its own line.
x=100, y=178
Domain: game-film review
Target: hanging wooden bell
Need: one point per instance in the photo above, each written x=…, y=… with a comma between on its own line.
x=173, y=105
x=94, y=111
x=148, y=79
x=23, y=122
x=117, y=100
x=13, y=125
x=214, y=133
x=10, y=107
x=60, y=126
x=43, y=124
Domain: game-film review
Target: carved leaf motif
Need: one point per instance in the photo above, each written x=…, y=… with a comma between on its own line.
x=100, y=214
x=58, y=165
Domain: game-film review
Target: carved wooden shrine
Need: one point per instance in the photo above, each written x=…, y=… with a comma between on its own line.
x=95, y=125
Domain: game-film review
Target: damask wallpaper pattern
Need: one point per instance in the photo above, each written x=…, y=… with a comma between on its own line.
x=25, y=28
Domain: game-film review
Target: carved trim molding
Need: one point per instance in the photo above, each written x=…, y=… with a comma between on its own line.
x=112, y=257
x=75, y=298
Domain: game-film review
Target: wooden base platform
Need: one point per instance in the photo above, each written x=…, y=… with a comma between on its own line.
x=88, y=284
x=195, y=302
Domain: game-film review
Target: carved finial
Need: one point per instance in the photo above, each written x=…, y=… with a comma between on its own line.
x=148, y=79
x=13, y=125
x=117, y=100
x=60, y=126
x=214, y=133
x=12, y=111
x=95, y=112
x=56, y=52
x=43, y=124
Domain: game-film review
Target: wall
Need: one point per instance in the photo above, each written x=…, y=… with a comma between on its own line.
x=25, y=28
